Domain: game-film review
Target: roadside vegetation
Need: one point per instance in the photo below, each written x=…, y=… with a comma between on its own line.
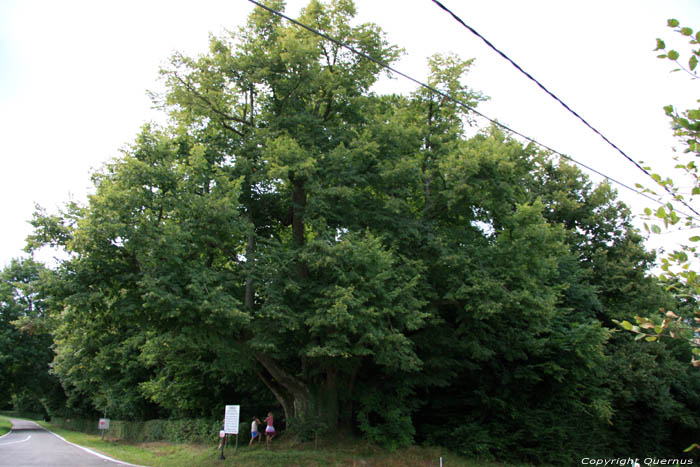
x=337, y=452
x=5, y=425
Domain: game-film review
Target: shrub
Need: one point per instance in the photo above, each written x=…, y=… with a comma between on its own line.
x=179, y=431
x=385, y=421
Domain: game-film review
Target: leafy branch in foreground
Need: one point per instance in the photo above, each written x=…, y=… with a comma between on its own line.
x=674, y=55
x=672, y=326
x=679, y=268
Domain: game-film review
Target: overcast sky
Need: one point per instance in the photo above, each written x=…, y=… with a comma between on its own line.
x=74, y=76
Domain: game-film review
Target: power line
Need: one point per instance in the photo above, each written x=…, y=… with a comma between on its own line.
x=541, y=86
x=458, y=102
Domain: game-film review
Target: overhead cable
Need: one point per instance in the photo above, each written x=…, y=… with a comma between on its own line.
x=574, y=113
x=458, y=102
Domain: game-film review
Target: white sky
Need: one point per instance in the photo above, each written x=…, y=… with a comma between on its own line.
x=74, y=75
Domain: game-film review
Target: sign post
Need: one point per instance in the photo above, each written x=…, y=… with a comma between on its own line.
x=103, y=425
x=231, y=422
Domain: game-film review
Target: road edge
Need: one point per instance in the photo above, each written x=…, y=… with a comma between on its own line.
x=88, y=450
x=94, y=453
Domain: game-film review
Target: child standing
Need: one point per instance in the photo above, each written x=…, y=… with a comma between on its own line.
x=270, y=429
x=254, y=433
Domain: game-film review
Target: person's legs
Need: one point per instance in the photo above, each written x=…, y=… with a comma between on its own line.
x=222, y=443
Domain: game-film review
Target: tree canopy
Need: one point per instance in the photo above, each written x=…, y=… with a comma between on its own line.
x=361, y=259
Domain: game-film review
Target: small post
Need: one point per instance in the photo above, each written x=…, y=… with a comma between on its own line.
x=236, y=448
x=440, y=461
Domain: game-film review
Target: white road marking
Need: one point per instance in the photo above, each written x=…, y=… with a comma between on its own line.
x=90, y=450
x=102, y=456
x=15, y=442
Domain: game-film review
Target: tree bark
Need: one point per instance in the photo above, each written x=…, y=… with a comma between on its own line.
x=303, y=399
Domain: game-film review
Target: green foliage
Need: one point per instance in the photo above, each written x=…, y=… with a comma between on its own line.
x=678, y=266
x=362, y=260
x=673, y=329
x=308, y=428
x=152, y=258
x=392, y=427
x=5, y=426
x=384, y=415
x=674, y=55
x=25, y=343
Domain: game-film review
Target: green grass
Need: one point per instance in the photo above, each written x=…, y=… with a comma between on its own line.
x=282, y=453
x=5, y=425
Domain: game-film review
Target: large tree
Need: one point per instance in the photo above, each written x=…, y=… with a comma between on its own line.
x=215, y=244
x=358, y=255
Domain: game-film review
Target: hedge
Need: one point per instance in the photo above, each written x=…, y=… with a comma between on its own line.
x=198, y=430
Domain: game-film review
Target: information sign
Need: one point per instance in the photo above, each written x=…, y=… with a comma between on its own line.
x=231, y=419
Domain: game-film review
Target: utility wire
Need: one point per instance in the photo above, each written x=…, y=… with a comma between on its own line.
x=541, y=86
x=458, y=102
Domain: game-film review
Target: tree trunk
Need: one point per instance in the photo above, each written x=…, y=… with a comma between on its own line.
x=303, y=400
x=314, y=398
x=326, y=403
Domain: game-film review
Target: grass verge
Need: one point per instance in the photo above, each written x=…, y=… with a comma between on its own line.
x=283, y=453
x=5, y=425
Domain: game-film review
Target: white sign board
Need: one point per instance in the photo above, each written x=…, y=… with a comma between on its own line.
x=231, y=419
x=103, y=424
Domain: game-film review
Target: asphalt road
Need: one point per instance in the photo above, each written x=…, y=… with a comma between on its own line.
x=28, y=444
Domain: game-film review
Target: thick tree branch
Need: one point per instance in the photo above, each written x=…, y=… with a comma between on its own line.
x=285, y=400
x=292, y=384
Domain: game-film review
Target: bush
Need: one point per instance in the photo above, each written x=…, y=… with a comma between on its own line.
x=308, y=428
x=385, y=420
x=197, y=430
x=82, y=425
